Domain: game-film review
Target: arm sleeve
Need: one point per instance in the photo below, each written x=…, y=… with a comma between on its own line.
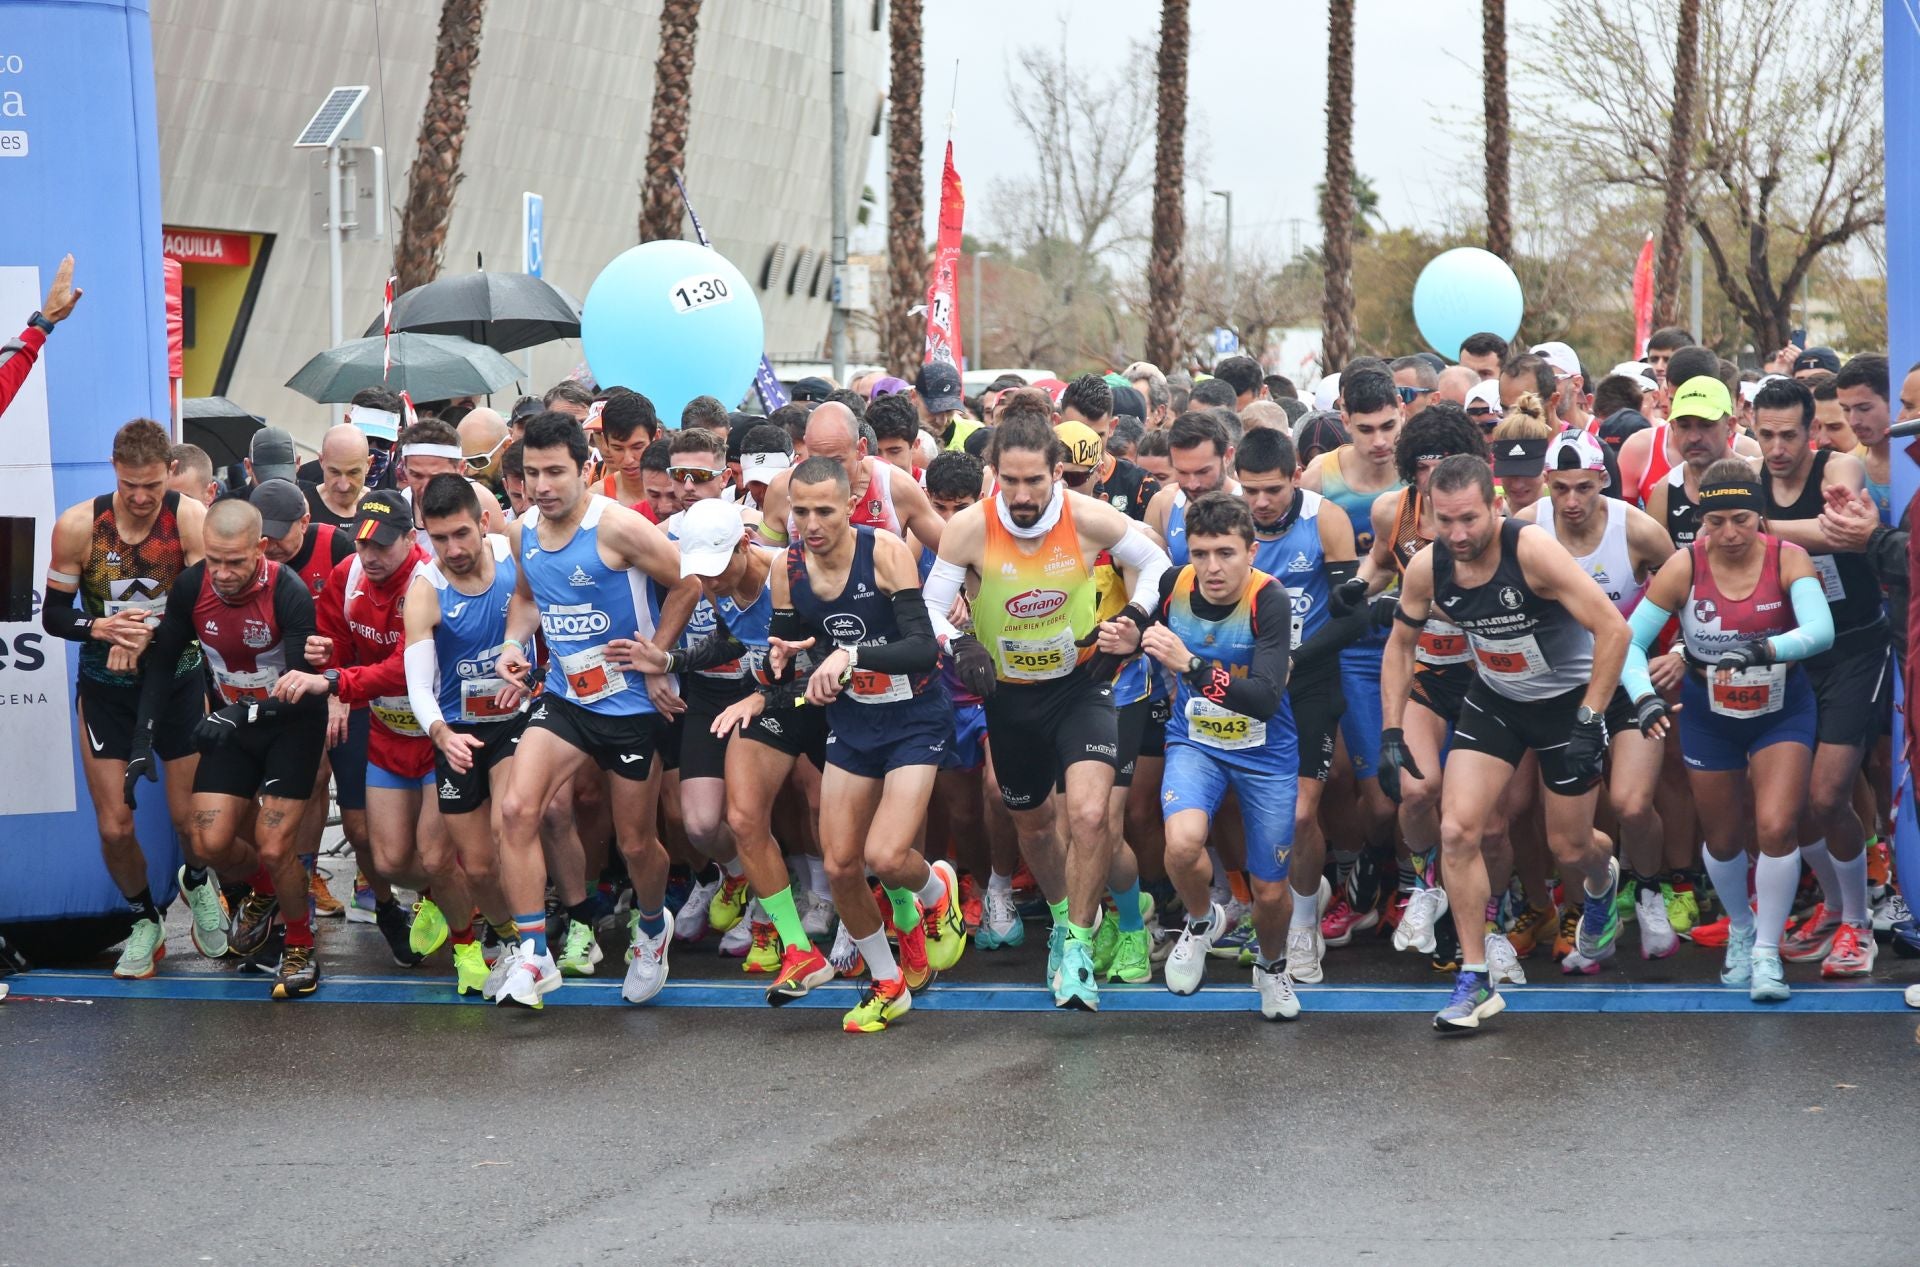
x=60, y=615
x=16, y=362
x=163, y=653
x=1815, y=632
x=1259, y=693
x=1338, y=631
x=721, y=647
x=942, y=586
x=293, y=612
x=423, y=682
x=1137, y=551
x=330, y=616
x=1646, y=622
x=913, y=650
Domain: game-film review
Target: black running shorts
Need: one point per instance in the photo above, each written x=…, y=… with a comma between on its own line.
x=1038, y=729
x=108, y=714
x=465, y=793
x=267, y=758
x=1509, y=729
x=621, y=745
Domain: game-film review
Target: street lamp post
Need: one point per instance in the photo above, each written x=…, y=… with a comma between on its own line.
x=838, y=174
x=979, y=334
x=1226, y=195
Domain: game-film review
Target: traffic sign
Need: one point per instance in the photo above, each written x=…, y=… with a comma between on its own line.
x=532, y=233
x=1225, y=341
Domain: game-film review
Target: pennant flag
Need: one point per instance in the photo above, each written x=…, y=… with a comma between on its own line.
x=386, y=347
x=1643, y=298
x=943, y=306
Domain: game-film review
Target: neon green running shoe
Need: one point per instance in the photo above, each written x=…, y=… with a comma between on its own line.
x=469, y=967
x=1627, y=897
x=729, y=903
x=582, y=953
x=1106, y=939
x=209, y=915
x=1683, y=907
x=1132, y=958
x=146, y=946
x=428, y=932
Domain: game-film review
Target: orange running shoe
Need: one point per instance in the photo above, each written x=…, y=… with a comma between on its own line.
x=1853, y=953
x=913, y=957
x=1531, y=929
x=802, y=969
x=885, y=906
x=1713, y=936
x=1569, y=926
x=1879, y=862
x=973, y=906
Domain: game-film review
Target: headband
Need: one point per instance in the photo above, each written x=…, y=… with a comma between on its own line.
x=433, y=451
x=1741, y=495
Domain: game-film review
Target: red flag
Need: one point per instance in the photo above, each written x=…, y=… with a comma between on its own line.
x=176, y=318
x=386, y=348
x=1643, y=299
x=943, y=306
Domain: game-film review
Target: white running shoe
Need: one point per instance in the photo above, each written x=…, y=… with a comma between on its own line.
x=1304, y=949
x=1503, y=965
x=1912, y=995
x=691, y=922
x=1278, y=1002
x=816, y=915
x=738, y=940
x=531, y=980
x=647, y=962
x=999, y=921
x=1415, y=930
x=502, y=965
x=1657, y=938
x=1188, y=962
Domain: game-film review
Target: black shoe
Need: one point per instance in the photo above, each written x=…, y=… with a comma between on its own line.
x=252, y=924
x=299, y=973
x=395, y=927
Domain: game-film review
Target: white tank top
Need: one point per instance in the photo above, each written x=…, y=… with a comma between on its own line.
x=1611, y=565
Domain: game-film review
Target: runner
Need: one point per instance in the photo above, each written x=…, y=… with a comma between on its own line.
x=1548, y=648
x=1050, y=719
x=1700, y=420
x=1231, y=728
x=628, y=426
x=1748, y=716
x=1201, y=456
x=1863, y=388
x=253, y=619
x=121, y=553
x=456, y=626
x=883, y=496
x=891, y=725
x=583, y=560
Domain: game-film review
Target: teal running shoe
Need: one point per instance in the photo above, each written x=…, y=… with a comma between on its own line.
x=1056, y=947
x=1073, y=984
x=1737, y=969
x=1769, y=984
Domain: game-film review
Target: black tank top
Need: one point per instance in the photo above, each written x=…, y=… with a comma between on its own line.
x=1852, y=589
x=1683, y=515
x=1526, y=647
x=860, y=613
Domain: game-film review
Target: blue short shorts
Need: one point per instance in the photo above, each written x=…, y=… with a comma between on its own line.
x=380, y=776
x=1711, y=741
x=921, y=735
x=1360, y=724
x=349, y=762
x=969, y=750
x=1194, y=779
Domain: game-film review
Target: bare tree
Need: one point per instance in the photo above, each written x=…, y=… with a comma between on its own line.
x=1493, y=87
x=661, y=211
x=1677, y=173
x=443, y=132
x=1336, y=191
x=1164, y=274
x=902, y=335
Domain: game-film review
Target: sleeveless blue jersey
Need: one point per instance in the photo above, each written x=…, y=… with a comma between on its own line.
x=584, y=605
x=468, y=638
x=1229, y=737
x=1177, y=529
x=1295, y=559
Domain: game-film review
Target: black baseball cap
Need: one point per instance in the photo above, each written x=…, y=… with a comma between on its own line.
x=811, y=389
x=383, y=518
x=281, y=505
x=939, y=386
x=1620, y=424
x=1129, y=403
x=1817, y=359
x=1320, y=432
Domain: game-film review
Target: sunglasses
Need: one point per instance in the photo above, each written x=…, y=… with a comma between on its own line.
x=480, y=461
x=1076, y=479
x=1410, y=394
x=693, y=474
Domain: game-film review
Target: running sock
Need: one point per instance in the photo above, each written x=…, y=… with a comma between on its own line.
x=143, y=907
x=299, y=931
x=1480, y=968
x=1126, y=905
x=1306, y=911
x=1275, y=966
x=786, y=919
x=1823, y=866
x=533, y=931
x=879, y=956
x=1409, y=879
x=732, y=869
x=709, y=874
x=1775, y=881
x=931, y=892
x=817, y=877
x=906, y=908
x=652, y=923
x=1853, y=890
x=461, y=936
x=196, y=876
x=1083, y=935
x=261, y=881
x=997, y=883
x=582, y=912
x=1059, y=912
x=1422, y=860
x=1730, y=885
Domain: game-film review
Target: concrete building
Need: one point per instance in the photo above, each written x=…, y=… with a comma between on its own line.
x=561, y=102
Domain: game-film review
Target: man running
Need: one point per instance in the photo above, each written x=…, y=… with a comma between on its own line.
x=259, y=754
x=584, y=561
x=883, y=496
x=1050, y=720
x=1548, y=647
x=121, y=553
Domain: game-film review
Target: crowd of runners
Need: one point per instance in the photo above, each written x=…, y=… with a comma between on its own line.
x=1513, y=665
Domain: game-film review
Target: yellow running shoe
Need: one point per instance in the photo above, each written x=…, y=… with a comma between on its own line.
x=883, y=1003
x=429, y=929
x=469, y=967
x=945, y=922
x=765, y=954
x=729, y=904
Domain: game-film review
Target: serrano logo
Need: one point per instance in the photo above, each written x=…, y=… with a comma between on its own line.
x=1036, y=604
x=580, y=621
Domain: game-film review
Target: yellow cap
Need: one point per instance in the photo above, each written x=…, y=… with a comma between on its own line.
x=1702, y=396
x=1083, y=443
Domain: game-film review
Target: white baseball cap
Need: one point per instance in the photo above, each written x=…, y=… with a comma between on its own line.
x=709, y=534
x=1486, y=392
x=1749, y=390
x=760, y=468
x=1326, y=391
x=1639, y=371
x=1576, y=450
x=1565, y=361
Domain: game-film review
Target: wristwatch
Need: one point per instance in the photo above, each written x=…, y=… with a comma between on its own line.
x=39, y=319
x=333, y=681
x=1194, y=665
x=1585, y=716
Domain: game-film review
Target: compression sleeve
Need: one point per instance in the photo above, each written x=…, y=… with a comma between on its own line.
x=62, y=617
x=718, y=648
x=1259, y=693
x=1136, y=550
x=1337, y=631
x=423, y=682
x=1815, y=632
x=175, y=633
x=912, y=649
x=942, y=586
x=1646, y=622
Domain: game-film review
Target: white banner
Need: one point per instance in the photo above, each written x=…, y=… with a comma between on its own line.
x=36, y=708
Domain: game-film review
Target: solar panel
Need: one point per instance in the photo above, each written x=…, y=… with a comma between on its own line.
x=332, y=118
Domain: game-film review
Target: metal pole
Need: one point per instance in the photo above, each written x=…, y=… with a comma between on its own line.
x=1226, y=196
x=336, y=321
x=979, y=337
x=839, y=177
x=1696, y=321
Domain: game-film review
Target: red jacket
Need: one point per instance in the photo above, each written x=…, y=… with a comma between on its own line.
x=368, y=626
x=15, y=368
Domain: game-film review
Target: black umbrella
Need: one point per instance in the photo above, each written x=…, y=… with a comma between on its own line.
x=219, y=426
x=504, y=311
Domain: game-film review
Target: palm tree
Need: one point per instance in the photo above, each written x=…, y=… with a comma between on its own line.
x=1493, y=52
x=1336, y=191
x=1165, y=282
x=1673, y=223
x=443, y=132
x=902, y=337
x=660, y=207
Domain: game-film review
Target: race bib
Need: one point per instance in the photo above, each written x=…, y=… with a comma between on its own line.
x=1751, y=692
x=589, y=677
x=1829, y=573
x=396, y=714
x=1442, y=642
x=480, y=700
x=878, y=688
x=244, y=688
x=1038, y=659
x=1510, y=659
x=1217, y=727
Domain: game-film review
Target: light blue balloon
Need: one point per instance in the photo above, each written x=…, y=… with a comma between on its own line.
x=1463, y=292
x=673, y=320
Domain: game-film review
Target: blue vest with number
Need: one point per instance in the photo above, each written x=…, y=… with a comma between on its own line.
x=472, y=627
x=584, y=605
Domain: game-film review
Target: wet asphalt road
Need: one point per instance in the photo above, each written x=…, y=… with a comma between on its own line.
x=168, y=1132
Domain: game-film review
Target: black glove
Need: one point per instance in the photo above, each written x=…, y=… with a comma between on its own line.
x=1346, y=596
x=1395, y=757
x=1649, y=711
x=1587, y=749
x=1747, y=655
x=140, y=766
x=974, y=663
x=215, y=729
x=1380, y=611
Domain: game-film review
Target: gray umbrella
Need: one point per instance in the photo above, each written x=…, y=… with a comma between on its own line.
x=505, y=311
x=219, y=426
x=425, y=366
